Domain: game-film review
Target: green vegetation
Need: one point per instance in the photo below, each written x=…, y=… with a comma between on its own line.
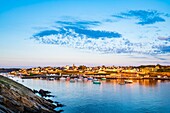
x=163, y=70
x=31, y=74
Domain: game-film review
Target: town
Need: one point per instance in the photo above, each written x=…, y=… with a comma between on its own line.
x=143, y=71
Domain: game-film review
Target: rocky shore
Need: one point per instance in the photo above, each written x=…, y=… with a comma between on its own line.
x=16, y=98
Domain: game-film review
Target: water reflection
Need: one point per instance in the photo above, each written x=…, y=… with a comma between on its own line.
x=143, y=82
x=148, y=83
x=108, y=97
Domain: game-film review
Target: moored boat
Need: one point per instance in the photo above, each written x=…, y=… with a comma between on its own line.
x=75, y=79
x=95, y=79
x=103, y=78
x=96, y=82
x=51, y=79
x=85, y=79
x=62, y=78
x=79, y=80
x=72, y=80
x=89, y=78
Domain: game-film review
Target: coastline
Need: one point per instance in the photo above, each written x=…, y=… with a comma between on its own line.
x=15, y=97
x=133, y=76
x=159, y=72
x=97, y=77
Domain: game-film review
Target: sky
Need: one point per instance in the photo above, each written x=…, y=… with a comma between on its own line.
x=84, y=32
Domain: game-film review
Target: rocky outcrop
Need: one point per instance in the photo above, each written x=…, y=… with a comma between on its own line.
x=16, y=98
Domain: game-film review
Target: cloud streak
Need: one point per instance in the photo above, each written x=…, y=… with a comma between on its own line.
x=164, y=38
x=80, y=24
x=78, y=28
x=144, y=17
x=164, y=49
x=74, y=31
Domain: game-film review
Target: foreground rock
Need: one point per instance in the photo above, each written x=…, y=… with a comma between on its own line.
x=16, y=98
x=43, y=93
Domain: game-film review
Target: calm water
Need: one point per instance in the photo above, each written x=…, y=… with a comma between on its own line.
x=142, y=96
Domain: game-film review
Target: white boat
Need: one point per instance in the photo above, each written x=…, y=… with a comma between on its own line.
x=165, y=77
x=159, y=76
x=51, y=79
x=79, y=80
x=128, y=81
x=85, y=79
x=62, y=78
x=103, y=78
x=75, y=79
x=95, y=79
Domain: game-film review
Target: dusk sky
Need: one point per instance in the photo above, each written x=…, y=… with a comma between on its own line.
x=89, y=32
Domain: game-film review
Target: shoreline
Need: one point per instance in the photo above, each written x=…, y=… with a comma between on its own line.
x=97, y=77
x=15, y=97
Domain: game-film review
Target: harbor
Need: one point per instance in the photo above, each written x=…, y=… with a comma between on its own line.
x=110, y=95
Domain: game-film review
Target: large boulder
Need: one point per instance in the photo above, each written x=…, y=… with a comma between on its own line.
x=16, y=98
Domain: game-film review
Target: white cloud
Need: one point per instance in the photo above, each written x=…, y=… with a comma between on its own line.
x=103, y=45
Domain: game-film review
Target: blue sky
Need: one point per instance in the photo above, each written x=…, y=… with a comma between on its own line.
x=90, y=32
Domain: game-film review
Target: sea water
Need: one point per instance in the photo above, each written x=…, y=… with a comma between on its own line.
x=142, y=96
